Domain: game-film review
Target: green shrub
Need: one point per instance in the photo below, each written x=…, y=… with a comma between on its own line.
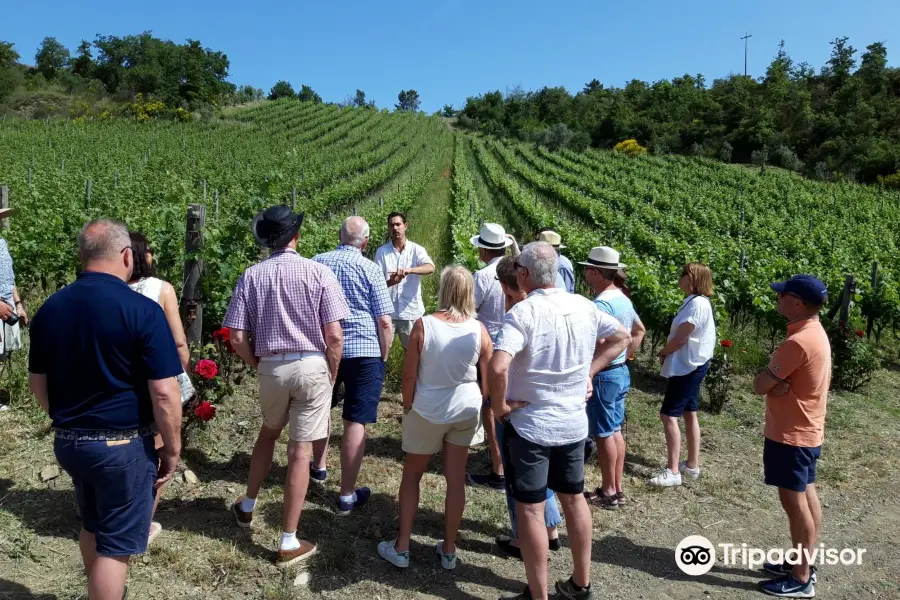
x=853, y=358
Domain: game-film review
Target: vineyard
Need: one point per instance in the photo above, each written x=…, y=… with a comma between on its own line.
x=749, y=227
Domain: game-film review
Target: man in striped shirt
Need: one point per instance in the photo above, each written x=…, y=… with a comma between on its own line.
x=367, y=343
x=292, y=307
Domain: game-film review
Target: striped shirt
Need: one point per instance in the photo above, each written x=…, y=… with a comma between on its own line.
x=367, y=294
x=284, y=301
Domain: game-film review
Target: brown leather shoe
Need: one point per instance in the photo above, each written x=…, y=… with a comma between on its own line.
x=289, y=557
x=244, y=519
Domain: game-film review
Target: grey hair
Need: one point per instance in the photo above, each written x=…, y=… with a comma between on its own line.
x=102, y=239
x=540, y=260
x=354, y=231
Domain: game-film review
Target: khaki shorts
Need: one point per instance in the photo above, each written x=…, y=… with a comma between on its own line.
x=403, y=329
x=421, y=436
x=296, y=392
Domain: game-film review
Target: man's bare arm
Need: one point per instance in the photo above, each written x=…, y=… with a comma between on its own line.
x=165, y=394
x=38, y=384
x=334, y=346
x=240, y=341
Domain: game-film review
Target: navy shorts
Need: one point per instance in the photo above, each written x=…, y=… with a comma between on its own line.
x=531, y=468
x=789, y=467
x=683, y=392
x=606, y=406
x=363, y=379
x=114, y=489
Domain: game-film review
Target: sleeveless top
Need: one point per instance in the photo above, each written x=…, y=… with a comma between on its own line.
x=447, y=389
x=151, y=287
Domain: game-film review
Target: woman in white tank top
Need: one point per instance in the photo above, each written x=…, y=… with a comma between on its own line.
x=442, y=401
x=144, y=282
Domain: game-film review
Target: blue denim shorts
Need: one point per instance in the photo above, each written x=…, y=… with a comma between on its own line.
x=606, y=406
x=683, y=392
x=363, y=379
x=789, y=467
x=114, y=488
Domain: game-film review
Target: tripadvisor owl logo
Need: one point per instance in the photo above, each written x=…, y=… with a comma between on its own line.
x=695, y=555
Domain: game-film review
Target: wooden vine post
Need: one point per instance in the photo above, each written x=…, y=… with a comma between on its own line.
x=191, y=299
x=4, y=203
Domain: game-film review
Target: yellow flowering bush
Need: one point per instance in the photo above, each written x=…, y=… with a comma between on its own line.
x=183, y=115
x=630, y=148
x=144, y=110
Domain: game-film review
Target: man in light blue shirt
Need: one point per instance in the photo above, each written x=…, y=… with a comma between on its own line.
x=367, y=343
x=606, y=406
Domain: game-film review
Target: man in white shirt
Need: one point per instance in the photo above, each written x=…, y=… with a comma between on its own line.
x=492, y=242
x=404, y=263
x=548, y=349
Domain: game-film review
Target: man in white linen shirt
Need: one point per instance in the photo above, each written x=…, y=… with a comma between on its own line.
x=550, y=346
x=404, y=262
x=492, y=242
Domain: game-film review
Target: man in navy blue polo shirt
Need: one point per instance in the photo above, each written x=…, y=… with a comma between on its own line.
x=103, y=365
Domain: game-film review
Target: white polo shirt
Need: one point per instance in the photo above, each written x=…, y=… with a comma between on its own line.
x=406, y=295
x=551, y=336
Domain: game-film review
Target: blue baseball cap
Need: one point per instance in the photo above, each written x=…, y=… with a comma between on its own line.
x=806, y=287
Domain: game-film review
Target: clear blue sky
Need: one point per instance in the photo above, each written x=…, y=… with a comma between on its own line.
x=451, y=49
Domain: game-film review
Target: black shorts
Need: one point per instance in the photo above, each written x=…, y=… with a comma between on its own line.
x=363, y=379
x=789, y=467
x=683, y=392
x=531, y=468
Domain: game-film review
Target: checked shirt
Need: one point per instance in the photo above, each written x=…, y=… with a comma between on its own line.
x=367, y=294
x=284, y=301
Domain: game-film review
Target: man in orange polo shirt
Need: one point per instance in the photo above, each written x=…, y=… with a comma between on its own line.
x=796, y=386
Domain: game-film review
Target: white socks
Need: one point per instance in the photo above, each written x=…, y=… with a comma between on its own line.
x=248, y=504
x=289, y=541
x=351, y=498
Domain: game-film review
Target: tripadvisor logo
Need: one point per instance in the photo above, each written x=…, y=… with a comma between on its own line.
x=695, y=555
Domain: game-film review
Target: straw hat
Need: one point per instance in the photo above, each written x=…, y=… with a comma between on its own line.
x=492, y=237
x=603, y=257
x=552, y=238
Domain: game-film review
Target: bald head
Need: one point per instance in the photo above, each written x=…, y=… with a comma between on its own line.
x=102, y=239
x=102, y=247
x=355, y=232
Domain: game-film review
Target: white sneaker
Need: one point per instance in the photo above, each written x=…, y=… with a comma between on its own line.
x=387, y=551
x=687, y=471
x=666, y=479
x=448, y=561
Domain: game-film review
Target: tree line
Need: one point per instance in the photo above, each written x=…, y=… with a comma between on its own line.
x=842, y=122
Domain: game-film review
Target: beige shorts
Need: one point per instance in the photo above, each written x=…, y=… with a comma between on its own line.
x=421, y=436
x=296, y=392
x=402, y=329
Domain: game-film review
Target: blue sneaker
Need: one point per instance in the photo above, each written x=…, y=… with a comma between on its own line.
x=788, y=587
x=783, y=568
x=319, y=475
x=362, y=496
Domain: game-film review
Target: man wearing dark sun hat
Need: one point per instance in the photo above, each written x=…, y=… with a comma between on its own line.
x=292, y=307
x=795, y=384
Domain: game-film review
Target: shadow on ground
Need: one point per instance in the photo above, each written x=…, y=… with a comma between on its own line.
x=660, y=562
x=10, y=590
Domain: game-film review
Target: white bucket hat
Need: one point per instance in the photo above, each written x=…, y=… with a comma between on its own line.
x=603, y=257
x=492, y=237
x=552, y=238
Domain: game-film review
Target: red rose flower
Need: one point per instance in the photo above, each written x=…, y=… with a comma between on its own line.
x=727, y=343
x=860, y=333
x=223, y=335
x=206, y=369
x=205, y=411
